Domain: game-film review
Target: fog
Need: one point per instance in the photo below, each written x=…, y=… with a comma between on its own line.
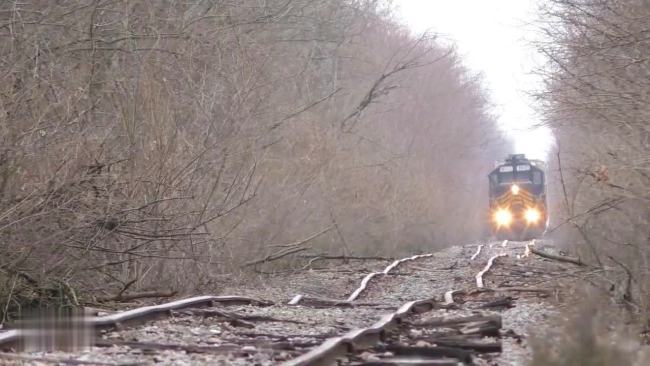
x=159, y=147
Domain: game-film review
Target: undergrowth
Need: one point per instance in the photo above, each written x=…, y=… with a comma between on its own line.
x=587, y=339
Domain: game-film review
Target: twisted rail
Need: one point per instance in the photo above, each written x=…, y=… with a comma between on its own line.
x=13, y=339
x=364, y=283
x=333, y=348
x=479, y=276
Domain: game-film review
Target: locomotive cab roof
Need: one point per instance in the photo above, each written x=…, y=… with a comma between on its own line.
x=516, y=158
x=516, y=168
x=519, y=159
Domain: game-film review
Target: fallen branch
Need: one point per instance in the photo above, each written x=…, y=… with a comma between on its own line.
x=504, y=302
x=486, y=328
x=458, y=322
x=290, y=248
x=137, y=295
x=208, y=313
x=303, y=241
x=477, y=346
x=560, y=258
x=275, y=256
x=464, y=356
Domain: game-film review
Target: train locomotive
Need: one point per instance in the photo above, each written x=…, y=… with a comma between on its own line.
x=518, y=209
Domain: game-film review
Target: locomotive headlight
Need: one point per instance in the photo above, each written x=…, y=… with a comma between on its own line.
x=503, y=217
x=514, y=189
x=532, y=215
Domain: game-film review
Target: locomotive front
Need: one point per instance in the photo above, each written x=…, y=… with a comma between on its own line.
x=518, y=199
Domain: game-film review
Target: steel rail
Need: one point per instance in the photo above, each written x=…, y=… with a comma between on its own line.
x=527, y=250
x=328, y=352
x=479, y=276
x=332, y=348
x=449, y=296
x=295, y=300
x=503, y=244
x=478, y=251
x=13, y=339
x=364, y=282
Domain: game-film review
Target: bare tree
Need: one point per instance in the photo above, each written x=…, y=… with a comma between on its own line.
x=152, y=147
x=596, y=100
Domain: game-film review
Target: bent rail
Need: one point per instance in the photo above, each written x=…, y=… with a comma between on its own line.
x=478, y=251
x=479, y=276
x=328, y=351
x=364, y=283
x=13, y=339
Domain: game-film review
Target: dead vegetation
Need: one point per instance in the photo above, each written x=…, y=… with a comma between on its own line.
x=591, y=332
x=596, y=100
x=151, y=148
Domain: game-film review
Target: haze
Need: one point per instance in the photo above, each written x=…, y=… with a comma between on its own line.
x=325, y=166
x=493, y=39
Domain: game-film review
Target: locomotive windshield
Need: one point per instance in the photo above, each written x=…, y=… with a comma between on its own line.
x=534, y=177
x=520, y=173
x=516, y=170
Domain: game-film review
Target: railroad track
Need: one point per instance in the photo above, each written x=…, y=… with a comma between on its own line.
x=449, y=308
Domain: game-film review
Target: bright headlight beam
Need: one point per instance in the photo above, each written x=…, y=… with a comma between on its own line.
x=514, y=189
x=502, y=217
x=532, y=215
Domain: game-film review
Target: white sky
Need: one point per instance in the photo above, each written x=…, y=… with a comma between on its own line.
x=493, y=39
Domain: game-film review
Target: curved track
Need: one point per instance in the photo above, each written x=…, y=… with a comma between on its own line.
x=334, y=349
x=451, y=312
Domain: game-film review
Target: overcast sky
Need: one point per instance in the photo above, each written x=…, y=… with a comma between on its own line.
x=493, y=38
